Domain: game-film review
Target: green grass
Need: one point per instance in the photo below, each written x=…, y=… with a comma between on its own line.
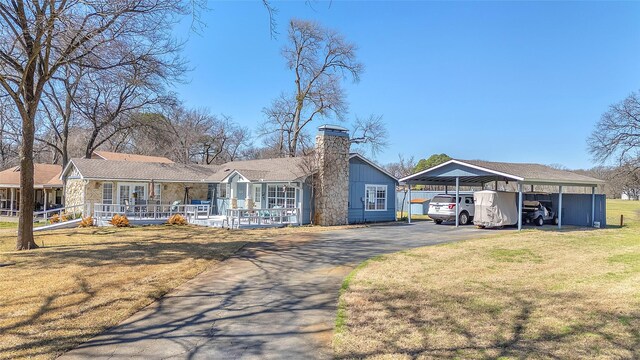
x=8, y=225
x=539, y=293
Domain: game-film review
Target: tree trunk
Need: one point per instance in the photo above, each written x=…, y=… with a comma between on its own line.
x=25, y=216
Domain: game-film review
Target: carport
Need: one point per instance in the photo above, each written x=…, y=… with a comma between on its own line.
x=479, y=173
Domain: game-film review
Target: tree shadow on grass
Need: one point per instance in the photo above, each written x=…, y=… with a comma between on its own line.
x=489, y=333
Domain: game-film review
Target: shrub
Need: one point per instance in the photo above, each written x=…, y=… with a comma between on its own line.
x=177, y=219
x=56, y=218
x=119, y=221
x=86, y=221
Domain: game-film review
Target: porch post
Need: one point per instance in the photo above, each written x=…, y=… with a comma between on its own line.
x=593, y=205
x=457, y=207
x=495, y=185
x=519, y=206
x=409, y=207
x=13, y=196
x=560, y=208
x=300, y=203
x=45, y=200
x=248, y=201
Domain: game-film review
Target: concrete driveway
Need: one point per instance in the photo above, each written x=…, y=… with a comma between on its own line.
x=265, y=303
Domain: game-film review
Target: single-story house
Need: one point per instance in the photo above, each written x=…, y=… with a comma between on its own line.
x=331, y=187
x=47, y=185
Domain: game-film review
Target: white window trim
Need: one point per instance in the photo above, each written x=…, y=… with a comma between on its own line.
x=113, y=191
x=268, y=198
x=132, y=185
x=386, y=196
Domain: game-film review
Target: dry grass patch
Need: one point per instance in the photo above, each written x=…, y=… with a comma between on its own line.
x=537, y=294
x=86, y=280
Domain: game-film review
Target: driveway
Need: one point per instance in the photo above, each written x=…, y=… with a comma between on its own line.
x=265, y=303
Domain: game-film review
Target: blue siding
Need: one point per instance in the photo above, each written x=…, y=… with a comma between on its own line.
x=361, y=174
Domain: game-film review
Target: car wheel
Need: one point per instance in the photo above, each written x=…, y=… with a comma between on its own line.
x=438, y=221
x=539, y=221
x=464, y=218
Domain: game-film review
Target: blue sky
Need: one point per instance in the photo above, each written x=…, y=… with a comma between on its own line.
x=502, y=81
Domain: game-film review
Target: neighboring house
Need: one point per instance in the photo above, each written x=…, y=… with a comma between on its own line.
x=334, y=186
x=631, y=195
x=46, y=182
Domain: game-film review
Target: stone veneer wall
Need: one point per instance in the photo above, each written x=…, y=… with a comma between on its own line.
x=74, y=192
x=175, y=192
x=332, y=186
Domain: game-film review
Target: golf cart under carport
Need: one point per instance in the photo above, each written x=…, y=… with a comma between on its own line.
x=580, y=209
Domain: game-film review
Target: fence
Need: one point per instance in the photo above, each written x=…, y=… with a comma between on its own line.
x=273, y=216
x=402, y=196
x=102, y=212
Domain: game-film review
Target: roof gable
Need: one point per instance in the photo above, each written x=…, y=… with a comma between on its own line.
x=372, y=164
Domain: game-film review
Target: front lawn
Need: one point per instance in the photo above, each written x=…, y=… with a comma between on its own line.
x=86, y=280
x=535, y=294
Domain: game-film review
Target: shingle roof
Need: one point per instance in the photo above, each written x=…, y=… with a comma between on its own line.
x=45, y=175
x=480, y=171
x=263, y=170
x=533, y=172
x=278, y=169
x=127, y=170
x=107, y=155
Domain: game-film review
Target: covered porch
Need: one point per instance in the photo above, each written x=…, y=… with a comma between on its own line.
x=45, y=199
x=248, y=201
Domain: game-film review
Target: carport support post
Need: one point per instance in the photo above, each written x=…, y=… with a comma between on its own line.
x=457, y=201
x=409, y=207
x=593, y=206
x=560, y=208
x=519, y=206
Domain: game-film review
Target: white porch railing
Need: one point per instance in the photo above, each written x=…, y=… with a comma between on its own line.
x=151, y=211
x=274, y=216
x=70, y=212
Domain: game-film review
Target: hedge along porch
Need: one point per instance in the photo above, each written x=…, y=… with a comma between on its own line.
x=476, y=173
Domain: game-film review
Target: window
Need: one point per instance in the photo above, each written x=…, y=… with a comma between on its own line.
x=281, y=196
x=468, y=200
x=222, y=191
x=107, y=193
x=157, y=195
x=375, y=197
x=257, y=193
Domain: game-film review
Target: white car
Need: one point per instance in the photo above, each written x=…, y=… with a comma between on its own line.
x=442, y=208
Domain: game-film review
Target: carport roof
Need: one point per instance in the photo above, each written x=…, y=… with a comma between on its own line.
x=478, y=172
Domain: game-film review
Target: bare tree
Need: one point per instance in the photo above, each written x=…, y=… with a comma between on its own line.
x=225, y=142
x=38, y=38
x=403, y=167
x=320, y=59
x=370, y=132
x=8, y=138
x=617, y=133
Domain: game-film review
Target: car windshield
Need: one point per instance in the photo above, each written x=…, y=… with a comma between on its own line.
x=443, y=199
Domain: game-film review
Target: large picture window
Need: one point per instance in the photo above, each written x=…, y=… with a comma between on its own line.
x=375, y=197
x=281, y=196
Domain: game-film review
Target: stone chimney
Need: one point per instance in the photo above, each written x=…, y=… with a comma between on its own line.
x=332, y=182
